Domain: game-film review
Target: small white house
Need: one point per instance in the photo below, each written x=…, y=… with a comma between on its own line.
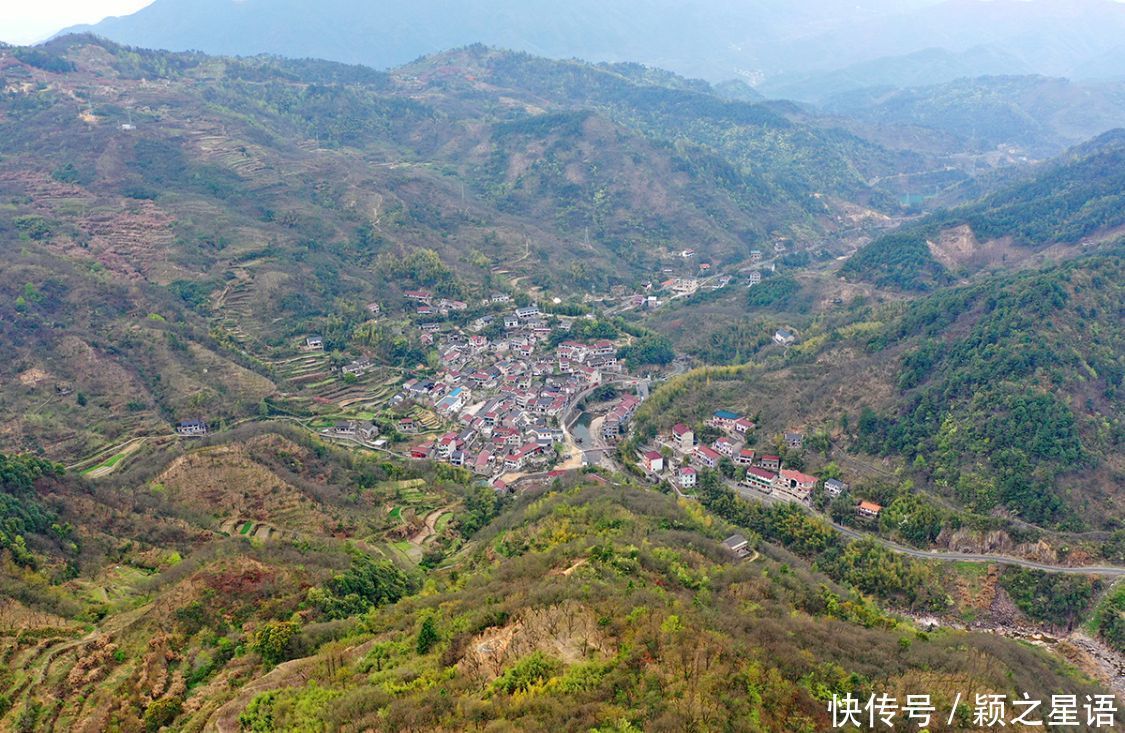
x=192, y=427
x=784, y=336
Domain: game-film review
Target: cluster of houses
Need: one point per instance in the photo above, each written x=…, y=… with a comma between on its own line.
x=427, y=305
x=760, y=470
x=503, y=396
x=618, y=417
x=506, y=396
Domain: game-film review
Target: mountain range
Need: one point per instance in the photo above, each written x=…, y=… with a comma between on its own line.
x=804, y=49
x=245, y=298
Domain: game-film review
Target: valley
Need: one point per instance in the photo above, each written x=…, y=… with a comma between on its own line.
x=495, y=392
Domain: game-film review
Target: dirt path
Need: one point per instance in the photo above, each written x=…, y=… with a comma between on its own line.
x=428, y=530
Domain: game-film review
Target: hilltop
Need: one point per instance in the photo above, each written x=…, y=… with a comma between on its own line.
x=587, y=603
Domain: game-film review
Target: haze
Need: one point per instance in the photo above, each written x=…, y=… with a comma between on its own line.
x=24, y=23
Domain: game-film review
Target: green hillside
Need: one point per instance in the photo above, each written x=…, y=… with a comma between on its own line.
x=1075, y=197
x=1040, y=116
x=1000, y=398
x=1012, y=393
x=586, y=606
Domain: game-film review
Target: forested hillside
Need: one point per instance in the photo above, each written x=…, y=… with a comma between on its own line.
x=1012, y=393
x=593, y=605
x=1039, y=116
x=1002, y=397
x=1075, y=198
x=121, y=599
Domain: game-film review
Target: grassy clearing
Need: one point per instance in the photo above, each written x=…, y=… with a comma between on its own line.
x=107, y=464
x=411, y=483
x=116, y=588
x=970, y=569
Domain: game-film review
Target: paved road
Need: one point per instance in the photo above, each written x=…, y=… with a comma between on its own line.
x=1108, y=571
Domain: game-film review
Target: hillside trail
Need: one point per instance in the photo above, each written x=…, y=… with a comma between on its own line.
x=429, y=527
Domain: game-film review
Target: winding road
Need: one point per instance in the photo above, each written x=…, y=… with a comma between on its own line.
x=1108, y=571
x=1105, y=571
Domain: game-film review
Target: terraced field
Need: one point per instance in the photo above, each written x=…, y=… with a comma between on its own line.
x=36, y=664
x=113, y=462
x=252, y=528
x=429, y=421
x=308, y=368
x=234, y=307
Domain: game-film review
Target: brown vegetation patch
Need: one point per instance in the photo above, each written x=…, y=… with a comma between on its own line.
x=33, y=377
x=954, y=247
x=15, y=616
x=226, y=481
x=568, y=631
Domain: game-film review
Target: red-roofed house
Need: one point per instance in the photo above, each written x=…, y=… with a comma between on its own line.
x=745, y=457
x=742, y=426
x=654, y=461
x=868, y=509
x=795, y=481
x=686, y=477
x=603, y=348
x=684, y=437
x=517, y=460
x=704, y=456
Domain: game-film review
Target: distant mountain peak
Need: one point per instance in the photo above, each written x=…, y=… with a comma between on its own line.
x=710, y=39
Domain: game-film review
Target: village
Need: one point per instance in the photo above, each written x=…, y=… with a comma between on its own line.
x=502, y=405
x=507, y=398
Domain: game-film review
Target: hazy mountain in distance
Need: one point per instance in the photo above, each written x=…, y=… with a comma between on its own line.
x=1040, y=114
x=382, y=33
x=1109, y=65
x=763, y=42
x=919, y=68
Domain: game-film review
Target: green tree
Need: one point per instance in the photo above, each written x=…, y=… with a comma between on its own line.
x=271, y=640
x=427, y=635
x=162, y=712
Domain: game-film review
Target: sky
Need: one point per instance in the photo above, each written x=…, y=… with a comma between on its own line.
x=31, y=21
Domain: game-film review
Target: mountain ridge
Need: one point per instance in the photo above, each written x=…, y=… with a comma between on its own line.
x=712, y=40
